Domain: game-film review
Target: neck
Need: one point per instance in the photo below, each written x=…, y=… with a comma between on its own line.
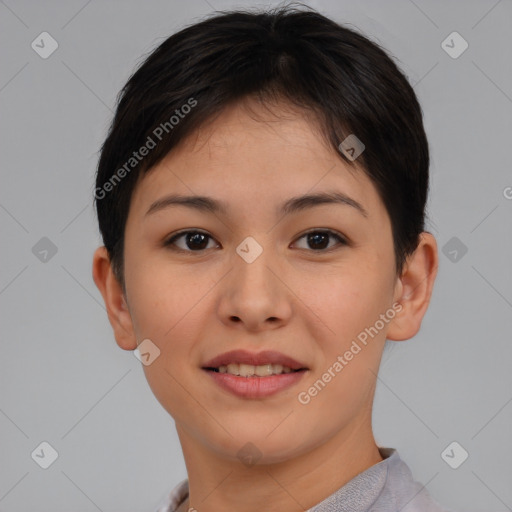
x=218, y=483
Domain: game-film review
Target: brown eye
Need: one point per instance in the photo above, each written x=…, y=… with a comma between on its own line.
x=193, y=241
x=197, y=241
x=319, y=240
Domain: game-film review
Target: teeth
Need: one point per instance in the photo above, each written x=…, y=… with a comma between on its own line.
x=248, y=370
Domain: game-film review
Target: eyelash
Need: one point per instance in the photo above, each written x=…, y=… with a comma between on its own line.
x=169, y=243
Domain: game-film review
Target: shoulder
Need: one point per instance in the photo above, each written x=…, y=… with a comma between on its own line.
x=402, y=492
x=173, y=500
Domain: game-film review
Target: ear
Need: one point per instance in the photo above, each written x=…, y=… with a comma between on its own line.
x=112, y=292
x=414, y=289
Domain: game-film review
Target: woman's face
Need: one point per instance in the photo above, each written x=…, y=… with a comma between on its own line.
x=253, y=280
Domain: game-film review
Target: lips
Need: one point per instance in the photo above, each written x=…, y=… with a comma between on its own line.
x=254, y=359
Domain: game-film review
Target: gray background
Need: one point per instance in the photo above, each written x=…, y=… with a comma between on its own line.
x=64, y=380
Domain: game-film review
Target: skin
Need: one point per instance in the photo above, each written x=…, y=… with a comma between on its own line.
x=305, y=302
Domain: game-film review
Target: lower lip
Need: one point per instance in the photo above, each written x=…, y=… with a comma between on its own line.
x=256, y=387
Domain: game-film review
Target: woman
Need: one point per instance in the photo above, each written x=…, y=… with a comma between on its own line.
x=261, y=196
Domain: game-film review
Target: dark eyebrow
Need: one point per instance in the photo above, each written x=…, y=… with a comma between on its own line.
x=295, y=204
x=299, y=203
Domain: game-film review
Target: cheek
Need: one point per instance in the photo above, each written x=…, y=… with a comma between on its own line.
x=164, y=300
x=346, y=301
x=343, y=386
x=168, y=309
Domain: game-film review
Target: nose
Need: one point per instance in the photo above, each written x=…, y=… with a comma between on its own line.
x=254, y=295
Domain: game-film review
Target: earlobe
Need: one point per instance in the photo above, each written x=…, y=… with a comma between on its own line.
x=115, y=303
x=414, y=289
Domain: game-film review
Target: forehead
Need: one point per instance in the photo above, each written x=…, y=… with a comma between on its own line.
x=252, y=154
x=283, y=129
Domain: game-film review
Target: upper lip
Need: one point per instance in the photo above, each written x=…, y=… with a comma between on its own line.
x=253, y=358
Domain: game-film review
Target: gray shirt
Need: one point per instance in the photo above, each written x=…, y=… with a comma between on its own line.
x=387, y=486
